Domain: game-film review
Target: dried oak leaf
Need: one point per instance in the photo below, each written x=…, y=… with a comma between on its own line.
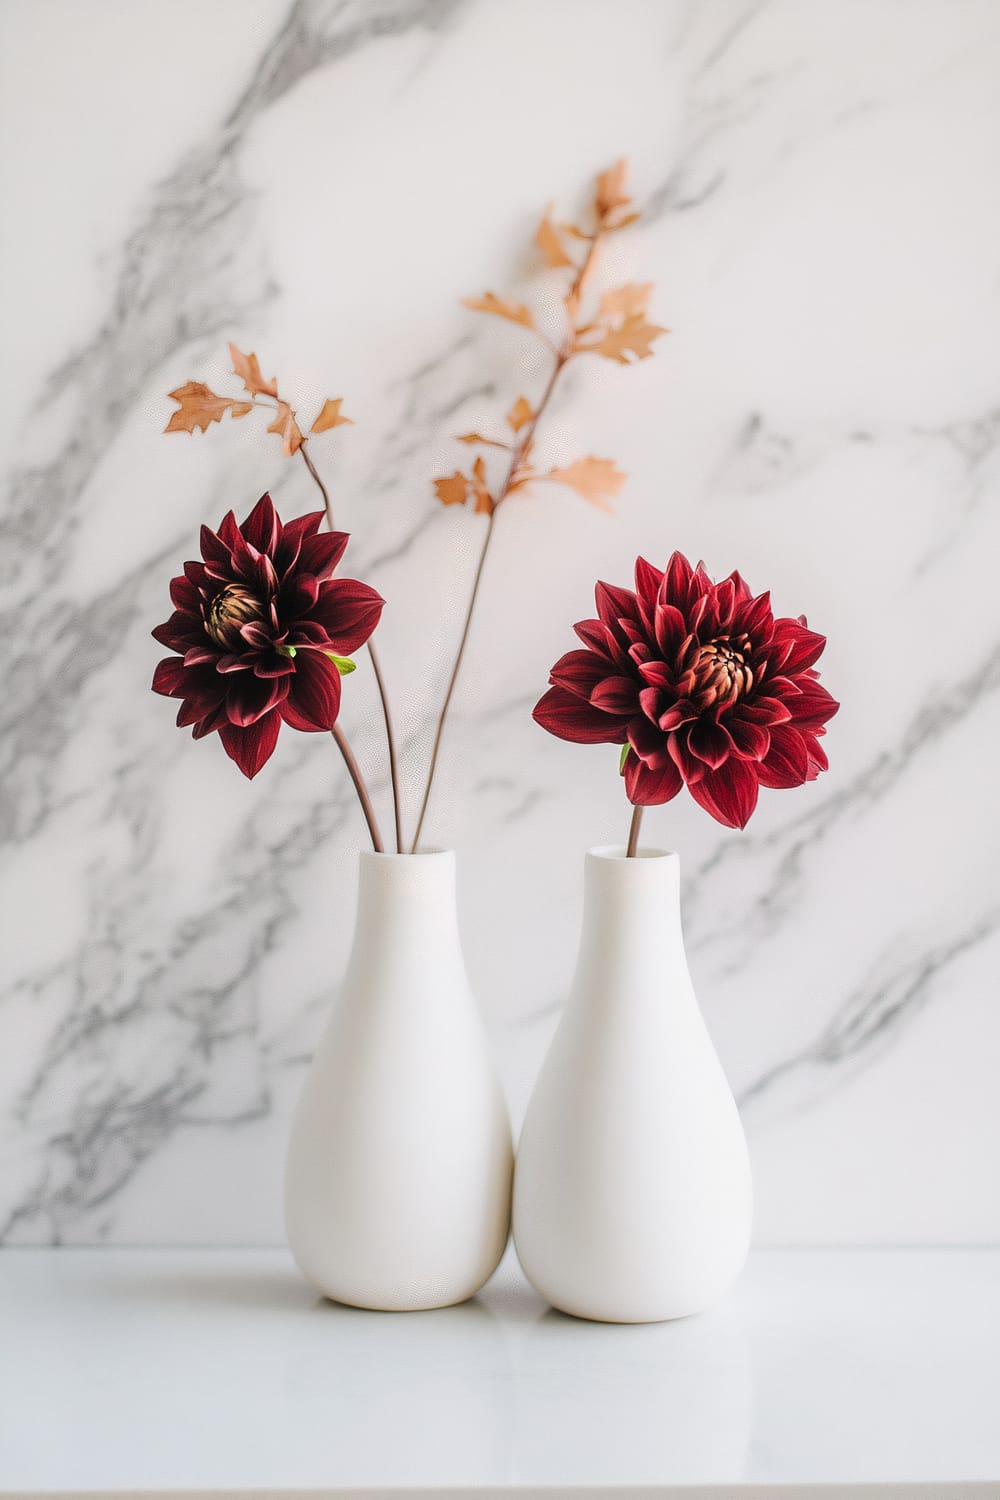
x=611, y=192
x=247, y=368
x=520, y=414
x=484, y=500
x=452, y=490
x=516, y=312
x=330, y=417
x=287, y=429
x=596, y=479
x=199, y=407
x=626, y=301
x=548, y=241
x=627, y=343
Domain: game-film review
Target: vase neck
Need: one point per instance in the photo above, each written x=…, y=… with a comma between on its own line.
x=415, y=892
x=631, y=921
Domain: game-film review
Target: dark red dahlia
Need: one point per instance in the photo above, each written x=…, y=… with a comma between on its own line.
x=260, y=625
x=701, y=682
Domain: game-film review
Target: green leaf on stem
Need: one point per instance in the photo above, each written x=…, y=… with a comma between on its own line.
x=342, y=663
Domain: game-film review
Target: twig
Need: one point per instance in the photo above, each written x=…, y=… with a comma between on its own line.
x=360, y=787
x=562, y=358
x=633, y=832
x=376, y=668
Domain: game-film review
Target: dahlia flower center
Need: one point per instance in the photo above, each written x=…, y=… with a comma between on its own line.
x=722, y=673
x=232, y=607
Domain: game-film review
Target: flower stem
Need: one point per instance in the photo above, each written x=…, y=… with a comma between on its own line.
x=562, y=357
x=633, y=832
x=390, y=738
x=360, y=787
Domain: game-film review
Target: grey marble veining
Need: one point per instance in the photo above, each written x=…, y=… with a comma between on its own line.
x=822, y=229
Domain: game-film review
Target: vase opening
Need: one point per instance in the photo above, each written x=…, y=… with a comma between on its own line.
x=617, y=851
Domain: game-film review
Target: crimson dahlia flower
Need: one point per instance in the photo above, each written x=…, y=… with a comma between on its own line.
x=259, y=625
x=701, y=683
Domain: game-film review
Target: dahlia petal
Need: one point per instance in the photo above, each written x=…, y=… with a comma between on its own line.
x=229, y=531
x=231, y=663
x=648, y=743
x=690, y=767
x=656, y=674
x=787, y=761
x=213, y=548
x=209, y=723
x=616, y=606
x=313, y=701
x=616, y=695
x=183, y=594
x=580, y=672
x=251, y=746
x=756, y=618
x=169, y=677
x=196, y=656
x=817, y=756
x=249, y=698
x=308, y=633
x=814, y=705
x=262, y=527
x=568, y=717
x=710, y=741
x=725, y=603
x=729, y=794
x=676, y=586
x=751, y=741
x=298, y=593
x=180, y=632
x=321, y=553
x=648, y=787
x=273, y=664
x=651, y=702
x=647, y=580
x=670, y=628
x=348, y=611
x=596, y=637
x=765, y=711
x=257, y=637
x=743, y=591
x=794, y=649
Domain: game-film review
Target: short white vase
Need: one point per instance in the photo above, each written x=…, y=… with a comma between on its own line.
x=398, y=1180
x=632, y=1194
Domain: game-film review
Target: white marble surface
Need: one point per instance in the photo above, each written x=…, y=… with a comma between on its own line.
x=219, y=1371
x=321, y=181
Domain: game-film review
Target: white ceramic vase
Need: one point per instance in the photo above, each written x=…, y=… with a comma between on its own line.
x=632, y=1195
x=398, y=1181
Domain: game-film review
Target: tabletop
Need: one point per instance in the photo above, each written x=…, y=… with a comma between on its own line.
x=218, y=1372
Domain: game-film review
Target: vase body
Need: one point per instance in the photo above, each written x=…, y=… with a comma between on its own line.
x=632, y=1194
x=398, y=1180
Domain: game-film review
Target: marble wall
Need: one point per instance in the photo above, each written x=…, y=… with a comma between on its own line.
x=321, y=181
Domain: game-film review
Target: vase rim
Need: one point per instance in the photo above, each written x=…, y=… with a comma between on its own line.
x=387, y=855
x=615, y=853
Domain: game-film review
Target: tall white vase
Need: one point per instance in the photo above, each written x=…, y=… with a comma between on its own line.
x=397, y=1188
x=632, y=1195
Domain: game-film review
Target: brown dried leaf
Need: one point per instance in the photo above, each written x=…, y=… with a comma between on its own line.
x=623, y=222
x=596, y=479
x=484, y=500
x=520, y=414
x=574, y=231
x=627, y=343
x=516, y=312
x=199, y=407
x=452, y=490
x=330, y=417
x=611, y=192
x=477, y=437
x=247, y=368
x=287, y=428
x=548, y=241
x=626, y=301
